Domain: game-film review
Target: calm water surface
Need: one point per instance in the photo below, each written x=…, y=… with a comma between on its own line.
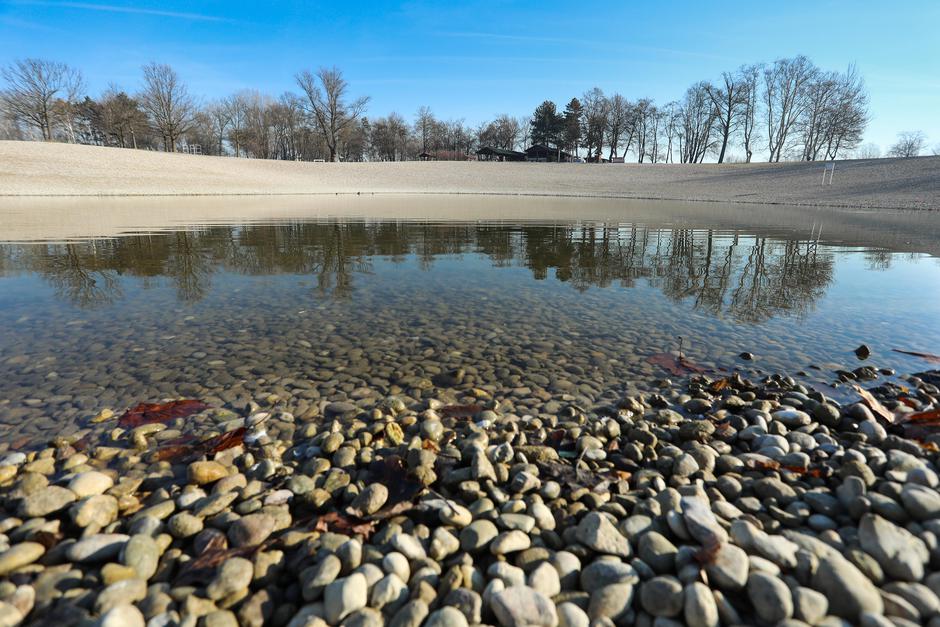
x=320, y=309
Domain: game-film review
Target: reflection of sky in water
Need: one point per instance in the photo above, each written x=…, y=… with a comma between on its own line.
x=792, y=303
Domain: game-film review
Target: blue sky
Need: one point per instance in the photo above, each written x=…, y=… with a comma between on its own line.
x=473, y=60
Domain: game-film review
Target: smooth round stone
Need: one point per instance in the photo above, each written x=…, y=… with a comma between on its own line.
x=204, y=473
x=657, y=551
x=20, y=555
x=142, y=553
x=251, y=530
x=596, y=532
x=510, y=542
x=345, y=596
x=662, y=596
x=611, y=602
x=90, y=483
x=477, y=535
x=455, y=514
x=408, y=545
x=770, y=597
x=234, y=576
x=544, y=578
x=521, y=605
x=124, y=615
x=699, y=607
x=446, y=617
x=570, y=615
x=184, y=525
x=396, y=563
x=100, y=510
x=46, y=501
x=390, y=591
x=97, y=548
x=371, y=499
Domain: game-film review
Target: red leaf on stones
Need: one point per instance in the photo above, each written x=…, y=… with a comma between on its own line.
x=343, y=524
x=874, y=404
x=460, y=411
x=926, y=356
x=677, y=366
x=180, y=449
x=149, y=413
x=921, y=425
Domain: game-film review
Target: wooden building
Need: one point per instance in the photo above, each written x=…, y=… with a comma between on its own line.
x=488, y=153
x=541, y=152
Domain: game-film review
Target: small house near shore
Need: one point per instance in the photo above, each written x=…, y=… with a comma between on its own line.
x=541, y=152
x=489, y=153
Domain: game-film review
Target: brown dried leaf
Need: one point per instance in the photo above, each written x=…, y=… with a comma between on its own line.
x=148, y=413
x=676, y=366
x=935, y=359
x=337, y=522
x=874, y=404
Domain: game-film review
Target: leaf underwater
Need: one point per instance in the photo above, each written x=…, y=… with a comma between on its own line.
x=676, y=366
x=149, y=413
x=926, y=356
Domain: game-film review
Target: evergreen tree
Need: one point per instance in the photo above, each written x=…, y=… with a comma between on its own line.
x=573, y=118
x=547, y=125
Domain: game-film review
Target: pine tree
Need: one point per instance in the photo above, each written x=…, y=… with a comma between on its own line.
x=574, y=113
x=547, y=125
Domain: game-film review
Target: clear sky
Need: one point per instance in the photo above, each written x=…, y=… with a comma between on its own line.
x=476, y=59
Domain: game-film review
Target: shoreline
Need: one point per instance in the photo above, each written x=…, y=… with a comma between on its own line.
x=34, y=169
x=714, y=500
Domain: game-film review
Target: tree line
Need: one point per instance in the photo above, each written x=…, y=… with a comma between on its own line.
x=785, y=110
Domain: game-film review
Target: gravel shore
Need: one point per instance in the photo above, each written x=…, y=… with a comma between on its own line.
x=34, y=168
x=717, y=501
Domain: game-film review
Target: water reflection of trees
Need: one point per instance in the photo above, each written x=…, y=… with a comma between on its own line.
x=748, y=277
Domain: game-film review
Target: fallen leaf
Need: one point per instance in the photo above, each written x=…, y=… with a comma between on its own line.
x=149, y=413
x=926, y=356
x=337, y=522
x=676, y=366
x=874, y=404
x=184, y=448
x=720, y=385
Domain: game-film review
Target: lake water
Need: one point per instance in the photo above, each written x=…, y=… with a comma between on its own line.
x=304, y=307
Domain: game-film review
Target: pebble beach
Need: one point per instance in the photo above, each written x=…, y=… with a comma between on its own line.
x=714, y=501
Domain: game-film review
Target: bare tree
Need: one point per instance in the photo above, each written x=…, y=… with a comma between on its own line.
x=749, y=79
x=868, y=151
x=235, y=108
x=729, y=99
x=785, y=100
x=424, y=127
x=40, y=93
x=909, y=144
x=697, y=123
x=327, y=103
x=217, y=119
x=936, y=149
x=618, y=122
x=167, y=102
x=596, y=109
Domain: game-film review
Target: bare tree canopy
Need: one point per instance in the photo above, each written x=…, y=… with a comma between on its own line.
x=41, y=94
x=798, y=111
x=730, y=100
x=327, y=103
x=909, y=144
x=168, y=103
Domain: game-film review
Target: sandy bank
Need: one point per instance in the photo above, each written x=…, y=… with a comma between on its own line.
x=31, y=168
